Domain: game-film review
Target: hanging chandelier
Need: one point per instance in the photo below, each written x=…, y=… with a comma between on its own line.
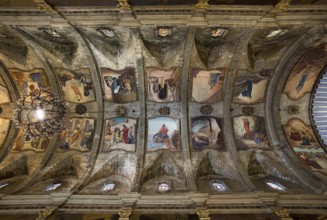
x=40, y=113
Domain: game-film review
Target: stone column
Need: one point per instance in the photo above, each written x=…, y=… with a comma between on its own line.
x=203, y=214
x=283, y=214
x=124, y=214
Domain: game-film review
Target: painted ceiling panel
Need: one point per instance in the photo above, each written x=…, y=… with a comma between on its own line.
x=167, y=115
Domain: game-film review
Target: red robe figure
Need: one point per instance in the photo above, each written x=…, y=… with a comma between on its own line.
x=246, y=127
x=125, y=134
x=163, y=132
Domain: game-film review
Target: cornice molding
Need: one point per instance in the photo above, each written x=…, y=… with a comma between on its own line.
x=216, y=204
x=215, y=15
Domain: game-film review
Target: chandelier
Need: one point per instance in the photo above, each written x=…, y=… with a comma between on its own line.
x=40, y=113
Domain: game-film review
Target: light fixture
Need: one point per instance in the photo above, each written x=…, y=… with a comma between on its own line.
x=50, y=31
x=108, y=186
x=107, y=32
x=40, y=113
x=218, y=32
x=218, y=186
x=276, y=33
x=275, y=185
x=163, y=31
x=52, y=186
x=163, y=187
x=3, y=185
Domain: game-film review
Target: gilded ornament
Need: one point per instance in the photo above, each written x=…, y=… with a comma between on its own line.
x=125, y=213
x=206, y=109
x=80, y=109
x=283, y=4
x=44, y=213
x=248, y=110
x=164, y=110
x=43, y=6
x=121, y=111
x=293, y=109
x=202, y=4
x=123, y=5
x=203, y=213
x=282, y=213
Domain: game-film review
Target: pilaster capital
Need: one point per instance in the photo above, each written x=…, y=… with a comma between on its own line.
x=203, y=214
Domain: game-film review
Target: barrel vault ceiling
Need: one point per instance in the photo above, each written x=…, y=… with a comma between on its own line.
x=184, y=93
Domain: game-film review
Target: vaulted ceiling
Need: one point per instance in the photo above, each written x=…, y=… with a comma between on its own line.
x=165, y=92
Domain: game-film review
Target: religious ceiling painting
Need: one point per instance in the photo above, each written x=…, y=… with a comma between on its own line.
x=4, y=128
x=120, y=85
x=304, y=74
x=78, y=134
x=163, y=85
x=120, y=133
x=250, y=132
x=76, y=85
x=207, y=85
x=4, y=96
x=303, y=141
x=163, y=133
x=249, y=88
x=4, y=123
x=207, y=133
x=24, y=143
x=28, y=81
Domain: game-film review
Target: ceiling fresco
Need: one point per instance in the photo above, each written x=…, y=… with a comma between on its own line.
x=164, y=113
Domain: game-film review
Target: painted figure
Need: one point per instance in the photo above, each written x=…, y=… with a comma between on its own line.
x=214, y=78
x=249, y=87
x=131, y=139
x=163, y=85
x=302, y=81
x=206, y=133
x=77, y=85
x=247, y=92
x=246, y=127
x=125, y=134
x=163, y=132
